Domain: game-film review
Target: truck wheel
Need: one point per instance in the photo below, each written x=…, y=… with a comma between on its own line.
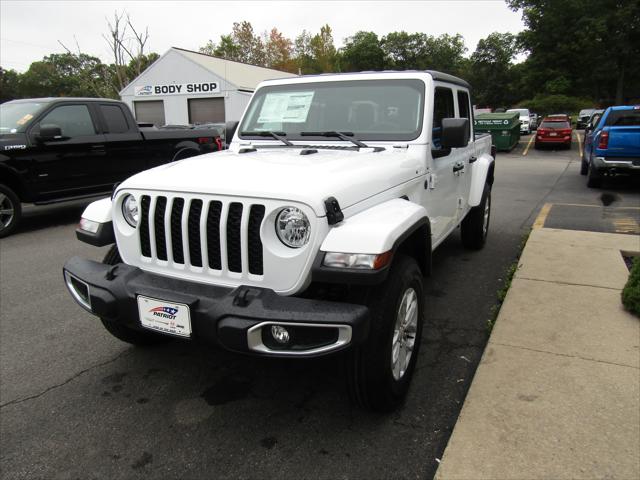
x=584, y=167
x=594, y=179
x=379, y=371
x=475, y=226
x=122, y=332
x=10, y=211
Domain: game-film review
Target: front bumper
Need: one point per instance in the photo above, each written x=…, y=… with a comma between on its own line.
x=233, y=318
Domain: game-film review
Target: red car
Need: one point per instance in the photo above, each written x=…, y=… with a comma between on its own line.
x=554, y=131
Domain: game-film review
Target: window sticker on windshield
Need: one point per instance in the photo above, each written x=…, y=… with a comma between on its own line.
x=25, y=119
x=290, y=107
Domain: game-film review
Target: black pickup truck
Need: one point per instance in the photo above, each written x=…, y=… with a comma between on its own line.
x=58, y=149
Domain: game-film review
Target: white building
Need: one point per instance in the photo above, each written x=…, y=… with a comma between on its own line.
x=184, y=87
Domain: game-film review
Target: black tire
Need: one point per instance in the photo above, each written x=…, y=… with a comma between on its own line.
x=584, y=167
x=10, y=211
x=371, y=379
x=594, y=178
x=122, y=332
x=475, y=226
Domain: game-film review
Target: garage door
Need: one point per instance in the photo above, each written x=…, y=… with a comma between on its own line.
x=151, y=112
x=206, y=110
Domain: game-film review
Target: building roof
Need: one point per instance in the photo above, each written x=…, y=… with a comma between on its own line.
x=242, y=75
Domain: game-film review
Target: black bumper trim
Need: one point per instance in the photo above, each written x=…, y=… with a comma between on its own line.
x=219, y=315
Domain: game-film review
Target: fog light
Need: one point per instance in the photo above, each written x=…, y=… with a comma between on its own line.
x=280, y=334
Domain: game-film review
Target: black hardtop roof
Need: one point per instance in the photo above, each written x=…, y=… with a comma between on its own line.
x=65, y=99
x=439, y=76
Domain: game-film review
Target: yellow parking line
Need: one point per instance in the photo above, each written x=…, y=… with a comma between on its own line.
x=590, y=205
x=579, y=144
x=542, y=216
x=526, y=150
x=626, y=225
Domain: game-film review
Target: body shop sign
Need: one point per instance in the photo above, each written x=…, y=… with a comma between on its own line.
x=176, y=89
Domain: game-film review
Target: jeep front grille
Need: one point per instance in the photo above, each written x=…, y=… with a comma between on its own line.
x=198, y=232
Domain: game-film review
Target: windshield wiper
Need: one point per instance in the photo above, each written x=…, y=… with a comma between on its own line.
x=267, y=133
x=341, y=135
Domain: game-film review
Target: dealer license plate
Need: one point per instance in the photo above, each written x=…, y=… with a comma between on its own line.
x=165, y=317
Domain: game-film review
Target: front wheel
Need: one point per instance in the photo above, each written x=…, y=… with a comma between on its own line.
x=475, y=226
x=120, y=331
x=380, y=370
x=10, y=211
x=584, y=167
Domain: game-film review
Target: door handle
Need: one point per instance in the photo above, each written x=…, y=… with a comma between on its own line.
x=458, y=166
x=472, y=159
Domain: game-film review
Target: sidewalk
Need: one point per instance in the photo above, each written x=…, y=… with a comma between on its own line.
x=557, y=393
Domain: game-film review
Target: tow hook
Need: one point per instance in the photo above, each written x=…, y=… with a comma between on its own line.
x=244, y=296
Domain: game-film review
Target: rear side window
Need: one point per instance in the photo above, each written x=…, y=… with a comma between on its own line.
x=115, y=118
x=73, y=120
x=624, y=118
x=442, y=108
x=463, y=106
x=555, y=125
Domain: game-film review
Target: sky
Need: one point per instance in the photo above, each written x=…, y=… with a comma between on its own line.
x=29, y=30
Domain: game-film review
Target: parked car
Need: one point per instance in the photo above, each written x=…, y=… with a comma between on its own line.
x=533, y=122
x=57, y=149
x=525, y=119
x=583, y=117
x=312, y=239
x=587, y=142
x=614, y=148
x=554, y=131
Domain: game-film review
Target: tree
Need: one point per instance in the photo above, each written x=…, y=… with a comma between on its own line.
x=362, y=52
x=491, y=70
x=585, y=47
x=323, y=50
x=405, y=51
x=279, y=51
x=9, y=85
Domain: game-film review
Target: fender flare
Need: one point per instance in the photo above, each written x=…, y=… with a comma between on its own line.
x=481, y=173
x=12, y=179
x=395, y=225
x=99, y=212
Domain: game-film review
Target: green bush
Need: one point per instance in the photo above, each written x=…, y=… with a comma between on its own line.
x=631, y=291
x=550, y=104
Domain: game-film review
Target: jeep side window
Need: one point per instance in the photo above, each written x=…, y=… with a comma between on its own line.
x=463, y=106
x=442, y=108
x=73, y=120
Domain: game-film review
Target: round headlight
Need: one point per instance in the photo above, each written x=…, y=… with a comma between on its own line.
x=130, y=210
x=292, y=227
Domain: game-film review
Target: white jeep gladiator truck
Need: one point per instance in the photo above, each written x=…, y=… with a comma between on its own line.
x=310, y=236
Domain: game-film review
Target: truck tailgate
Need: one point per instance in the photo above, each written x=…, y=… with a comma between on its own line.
x=624, y=141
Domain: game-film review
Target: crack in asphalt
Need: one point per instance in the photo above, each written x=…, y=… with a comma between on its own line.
x=73, y=377
x=579, y=357
x=557, y=282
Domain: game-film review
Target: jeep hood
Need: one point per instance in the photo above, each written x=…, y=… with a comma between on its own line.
x=284, y=174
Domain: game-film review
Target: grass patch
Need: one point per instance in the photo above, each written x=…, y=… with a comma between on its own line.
x=501, y=294
x=631, y=292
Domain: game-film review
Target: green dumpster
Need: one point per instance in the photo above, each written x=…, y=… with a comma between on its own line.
x=503, y=127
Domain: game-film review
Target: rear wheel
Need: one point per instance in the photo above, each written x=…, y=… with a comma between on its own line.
x=594, y=178
x=120, y=331
x=380, y=370
x=475, y=226
x=584, y=167
x=10, y=211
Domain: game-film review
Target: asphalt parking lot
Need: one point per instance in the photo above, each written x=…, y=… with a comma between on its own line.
x=77, y=403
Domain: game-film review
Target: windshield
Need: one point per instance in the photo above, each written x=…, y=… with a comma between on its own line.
x=15, y=117
x=522, y=111
x=370, y=109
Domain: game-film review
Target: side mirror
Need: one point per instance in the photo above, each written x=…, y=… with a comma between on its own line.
x=229, y=131
x=455, y=132
x=50, y=132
